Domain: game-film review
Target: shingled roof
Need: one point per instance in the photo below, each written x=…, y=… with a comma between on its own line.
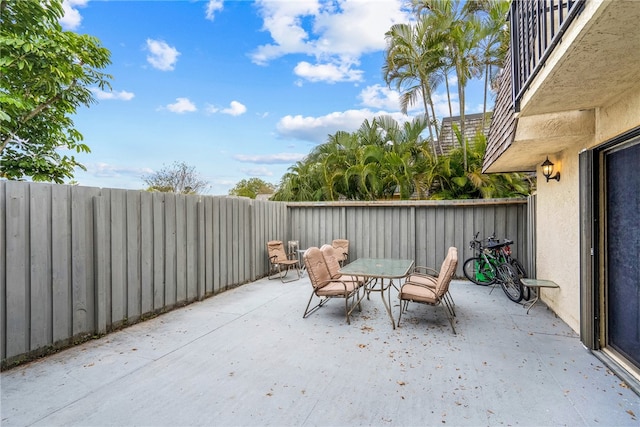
x=473, y=124
x=504, y=125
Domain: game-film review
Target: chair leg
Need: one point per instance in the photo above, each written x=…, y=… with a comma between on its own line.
x=346, y=309
x=451, y=321
x=450, y=304
x=273, y=269
x=286, y=270
x=308, y=311
x=405, y=303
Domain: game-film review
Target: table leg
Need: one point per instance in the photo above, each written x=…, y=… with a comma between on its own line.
x=387, y=305
x=530, y=304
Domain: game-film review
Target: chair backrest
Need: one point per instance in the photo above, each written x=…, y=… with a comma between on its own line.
x=316, y=267
x=276, y=248
x=341, y=246
x=447, y=270
x=331, y=259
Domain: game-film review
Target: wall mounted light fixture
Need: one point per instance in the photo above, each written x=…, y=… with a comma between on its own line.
x=547, y=170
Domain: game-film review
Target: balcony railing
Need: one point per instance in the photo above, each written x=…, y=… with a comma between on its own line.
x=536, y=28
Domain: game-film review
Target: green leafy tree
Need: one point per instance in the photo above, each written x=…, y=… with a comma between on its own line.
x=251, y=188
x=177, y=178
x=45, y=75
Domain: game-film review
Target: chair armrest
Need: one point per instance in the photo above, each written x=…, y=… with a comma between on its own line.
x=421, y=285
x=426, y=271
x=342, y=282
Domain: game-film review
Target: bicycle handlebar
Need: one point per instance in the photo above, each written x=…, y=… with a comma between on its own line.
x=492, y=242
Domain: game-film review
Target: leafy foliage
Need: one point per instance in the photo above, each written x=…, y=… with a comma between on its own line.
x=251, y=188
x=45, y=74
x=448, y=37
x=385, y=160
x=178, y=178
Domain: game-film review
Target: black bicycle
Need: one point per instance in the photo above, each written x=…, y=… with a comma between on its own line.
x=491, y=263
x=505, y=253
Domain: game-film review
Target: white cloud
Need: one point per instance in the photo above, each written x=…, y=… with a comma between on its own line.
x=72, y=18
x=105, y=170
x=257, y=172
x=235, y=109
x=123, y=95
x=269, y=158
x=162, y=56
x=378, y=96
x=317, y=129
x=213, y=6
x=381, y=97
x=182, y=105
x=336, y=72
x=335, y=33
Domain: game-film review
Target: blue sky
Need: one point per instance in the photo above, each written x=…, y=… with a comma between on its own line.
x=237, y=89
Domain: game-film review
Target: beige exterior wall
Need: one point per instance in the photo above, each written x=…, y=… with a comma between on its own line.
x=558, y=226
x=558, y=237
x=619, y=117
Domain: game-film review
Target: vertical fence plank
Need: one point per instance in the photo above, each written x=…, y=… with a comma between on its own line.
x=61, y=282
x=159, y=248
x=41, y=246
x=217, y=239
x=170, y=251
x=118, y=288
x=223, y=249
x=192, y=246
x=202, y=241
x=180, y=248
x=146, y=252
x=133, y=230
x=17, y=310
x=3, y=269
x=101, y=227
x=232, y=242
x=82, y=262
x=207, y=203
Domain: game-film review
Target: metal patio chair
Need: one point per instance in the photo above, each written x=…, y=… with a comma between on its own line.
x=281, y=262
x=325, y=287
x=431, y=289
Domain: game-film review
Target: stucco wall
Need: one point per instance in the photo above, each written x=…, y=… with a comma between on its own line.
x=558, y=237
x=619, y=117
x=558, y=212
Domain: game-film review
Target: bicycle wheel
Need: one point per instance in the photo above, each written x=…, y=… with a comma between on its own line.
x=479, y=271
x=526, y=291
x=510, y=282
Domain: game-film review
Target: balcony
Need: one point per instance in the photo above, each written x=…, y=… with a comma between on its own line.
x=247, y=357
x=569, y=60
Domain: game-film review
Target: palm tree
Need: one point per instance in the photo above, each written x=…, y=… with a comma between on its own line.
x=494, y=44
x=413, y=56
x=461, y=28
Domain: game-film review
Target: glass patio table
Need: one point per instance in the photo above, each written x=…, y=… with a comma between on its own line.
x=376, y=271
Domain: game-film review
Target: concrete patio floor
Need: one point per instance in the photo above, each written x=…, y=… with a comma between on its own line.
x=247, y=357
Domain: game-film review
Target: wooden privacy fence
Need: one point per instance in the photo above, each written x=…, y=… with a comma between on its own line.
x=418, y=230
x=80, y=261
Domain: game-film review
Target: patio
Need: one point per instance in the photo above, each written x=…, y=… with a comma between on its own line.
x=246, y=357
